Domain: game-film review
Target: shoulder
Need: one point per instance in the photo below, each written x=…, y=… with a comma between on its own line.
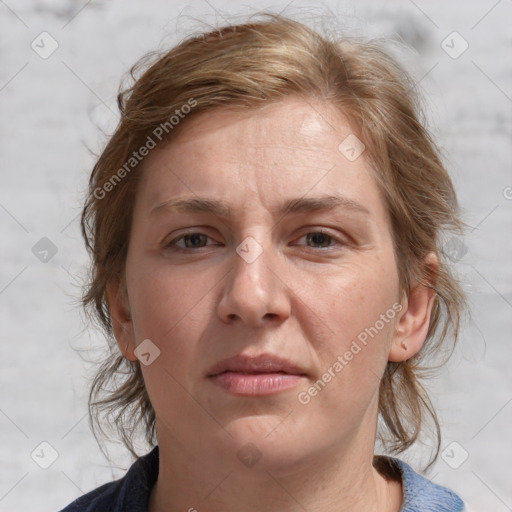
x=419, y=493
x=128, y=493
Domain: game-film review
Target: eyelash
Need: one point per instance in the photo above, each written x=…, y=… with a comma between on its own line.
x=172, y=244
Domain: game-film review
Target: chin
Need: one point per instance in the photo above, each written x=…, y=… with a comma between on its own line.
x=267, y=443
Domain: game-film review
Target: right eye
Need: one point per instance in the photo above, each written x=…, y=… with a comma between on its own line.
x=190, y=241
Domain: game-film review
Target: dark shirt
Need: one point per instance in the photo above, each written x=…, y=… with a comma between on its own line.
x=131, y=493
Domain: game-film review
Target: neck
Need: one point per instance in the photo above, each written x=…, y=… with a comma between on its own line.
x=328, y=482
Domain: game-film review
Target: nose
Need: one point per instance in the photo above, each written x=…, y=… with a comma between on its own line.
x=254, y=291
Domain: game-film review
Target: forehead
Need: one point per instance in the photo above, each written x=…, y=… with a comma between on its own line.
x=292, y=148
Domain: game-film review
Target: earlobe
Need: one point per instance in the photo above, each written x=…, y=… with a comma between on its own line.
x=412, y=326
x=121, y=319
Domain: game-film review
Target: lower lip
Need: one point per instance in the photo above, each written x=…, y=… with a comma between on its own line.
x=256, y=384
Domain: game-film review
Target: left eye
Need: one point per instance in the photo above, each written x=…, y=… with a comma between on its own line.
x=319, y=238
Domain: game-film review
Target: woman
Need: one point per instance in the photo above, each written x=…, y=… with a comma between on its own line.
x=265, y=226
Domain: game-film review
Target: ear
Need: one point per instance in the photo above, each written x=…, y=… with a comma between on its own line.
x=122, y=323
x=412, y=325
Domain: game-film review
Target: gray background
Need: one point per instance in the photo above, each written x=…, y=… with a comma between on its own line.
x=56, y=111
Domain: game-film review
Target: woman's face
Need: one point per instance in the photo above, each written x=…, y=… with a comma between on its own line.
x=269, y=298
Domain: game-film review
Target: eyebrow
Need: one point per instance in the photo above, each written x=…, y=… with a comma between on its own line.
x=296, y=205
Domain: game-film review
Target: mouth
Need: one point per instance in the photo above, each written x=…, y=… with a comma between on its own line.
x=256, y=376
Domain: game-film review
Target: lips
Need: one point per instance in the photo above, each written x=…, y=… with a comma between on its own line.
x=256, y=376
x=256, y=364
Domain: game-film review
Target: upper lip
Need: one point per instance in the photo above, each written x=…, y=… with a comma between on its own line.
x=264, y=363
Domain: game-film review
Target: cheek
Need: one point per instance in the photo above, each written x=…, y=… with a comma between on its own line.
x=351, y=301
x=354, y=330
x=169, y=308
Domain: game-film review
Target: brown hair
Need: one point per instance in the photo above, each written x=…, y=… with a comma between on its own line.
x=250, y=65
